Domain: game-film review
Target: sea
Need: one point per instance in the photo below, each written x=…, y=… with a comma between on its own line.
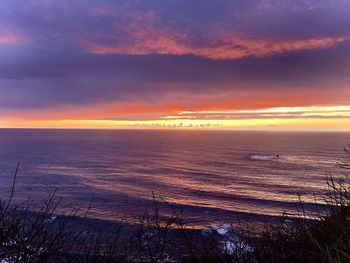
x=211, y=176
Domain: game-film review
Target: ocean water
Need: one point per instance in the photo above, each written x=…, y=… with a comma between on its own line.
x=212, y=175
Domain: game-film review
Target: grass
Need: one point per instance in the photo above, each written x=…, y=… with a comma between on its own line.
x=31, y=233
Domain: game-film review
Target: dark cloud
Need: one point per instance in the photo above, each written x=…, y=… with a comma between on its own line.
x=89, y=52
x=194, y=23
x=51, y=80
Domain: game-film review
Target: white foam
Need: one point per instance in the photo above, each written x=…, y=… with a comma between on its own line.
x=237, y=247
x=229, y=247
x=264, y=157
x=221, y=231
x=224, y=229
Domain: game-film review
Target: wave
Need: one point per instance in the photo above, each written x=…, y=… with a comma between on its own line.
x=264, y=157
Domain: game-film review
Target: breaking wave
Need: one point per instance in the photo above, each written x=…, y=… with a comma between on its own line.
x=264, y=157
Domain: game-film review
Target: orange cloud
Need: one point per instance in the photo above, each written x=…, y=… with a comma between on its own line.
x=142, y=111
x=152, y=41
x=270, y=111
x=145, y=35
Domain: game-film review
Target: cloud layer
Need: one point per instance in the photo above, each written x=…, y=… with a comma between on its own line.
x=147, y=60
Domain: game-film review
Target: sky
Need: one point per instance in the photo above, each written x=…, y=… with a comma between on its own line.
x=184, y=64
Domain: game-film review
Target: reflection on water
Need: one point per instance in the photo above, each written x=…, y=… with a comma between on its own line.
x=209, y=173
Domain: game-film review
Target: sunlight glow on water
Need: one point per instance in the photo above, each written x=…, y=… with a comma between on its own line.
x=208, y=173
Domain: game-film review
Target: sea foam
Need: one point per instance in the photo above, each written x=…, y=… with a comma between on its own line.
x=264, y=157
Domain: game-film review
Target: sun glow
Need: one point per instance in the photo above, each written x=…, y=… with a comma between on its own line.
x=283, y=118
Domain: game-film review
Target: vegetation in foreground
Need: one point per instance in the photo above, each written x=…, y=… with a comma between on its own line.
x=31, y=233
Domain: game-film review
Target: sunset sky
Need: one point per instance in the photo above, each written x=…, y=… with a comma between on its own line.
x=206, y=64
